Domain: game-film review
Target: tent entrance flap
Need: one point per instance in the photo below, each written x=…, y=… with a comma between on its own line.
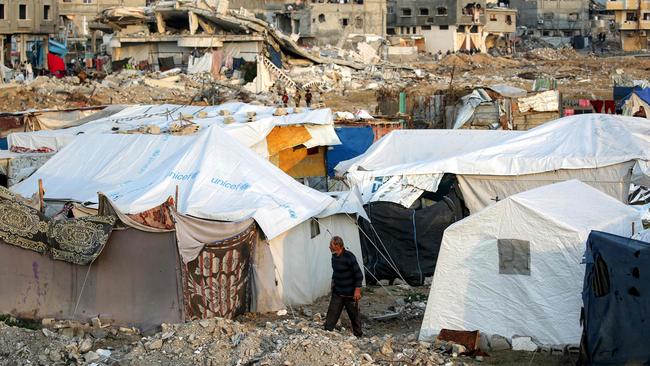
x=408, y=238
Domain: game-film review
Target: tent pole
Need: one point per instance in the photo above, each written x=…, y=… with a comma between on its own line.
x=176, y=199
x=41, y=193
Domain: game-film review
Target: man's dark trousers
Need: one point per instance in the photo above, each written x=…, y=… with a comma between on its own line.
x=337, y=303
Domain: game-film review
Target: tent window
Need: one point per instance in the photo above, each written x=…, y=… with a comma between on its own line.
x=315, y=228
x=514, y=257
x=600, y=280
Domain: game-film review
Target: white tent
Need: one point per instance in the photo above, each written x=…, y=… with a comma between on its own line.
x=515, y=268
x=599, y=149
x=233, y=117
x=217, y=178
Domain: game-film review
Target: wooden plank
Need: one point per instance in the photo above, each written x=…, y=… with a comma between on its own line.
x=285, y=137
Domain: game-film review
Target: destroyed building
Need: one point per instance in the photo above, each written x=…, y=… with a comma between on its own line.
x=77, y=17
x=26, y=21
x=327, y=22
x=553, y=18
x=450, y=25
x=633, y=23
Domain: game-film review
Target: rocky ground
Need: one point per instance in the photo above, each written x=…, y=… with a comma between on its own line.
x=296, y=338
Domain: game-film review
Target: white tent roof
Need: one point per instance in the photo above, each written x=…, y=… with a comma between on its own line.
x=581, y=141
x=319, y=123
x=468, y=290
x=217, y=177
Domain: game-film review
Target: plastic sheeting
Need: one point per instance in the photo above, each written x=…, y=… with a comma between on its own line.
x=197, y=65
x=354, y=142
x=303, y=259
x=468, y=104
x=131, y=118
x=575, y=142
x=468, y=290
x=480, y=191
x=217, y=178
x=615, y=297
x=406, y=239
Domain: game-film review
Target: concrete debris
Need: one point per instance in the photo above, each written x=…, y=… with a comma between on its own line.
x=524, y=344
x=499, y=343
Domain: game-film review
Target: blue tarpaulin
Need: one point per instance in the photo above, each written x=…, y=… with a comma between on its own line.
x=354, y=142
x=275, y=57
x=616, y=297
x=3, y=144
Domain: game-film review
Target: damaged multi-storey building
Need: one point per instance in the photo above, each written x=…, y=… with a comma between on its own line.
x=77, y=17
x=554, y=18
x=633, y=23
x=25, y=24
x=452, y=26
x=328, y=21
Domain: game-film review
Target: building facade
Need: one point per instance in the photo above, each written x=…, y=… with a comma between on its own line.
x=633, y=22
x=328, y=22
x=553, y=18
x=24, y=21
x=453, y=26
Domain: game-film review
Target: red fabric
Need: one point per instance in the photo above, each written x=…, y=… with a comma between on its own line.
x=610, y=107
x=56, y=65
x=598, y=105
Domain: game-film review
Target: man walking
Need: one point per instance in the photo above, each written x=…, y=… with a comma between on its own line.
x=346, y=287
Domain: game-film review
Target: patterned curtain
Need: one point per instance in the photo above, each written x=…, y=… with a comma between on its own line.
x=217, y=282
x=79, y=241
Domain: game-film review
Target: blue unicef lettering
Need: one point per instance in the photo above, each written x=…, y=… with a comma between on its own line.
x=239, y=187
x=292, y=213
x=183, y=177
x=153, y=157
x=379, y=181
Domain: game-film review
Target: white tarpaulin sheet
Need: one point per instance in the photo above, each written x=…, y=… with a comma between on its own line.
x=165, y=115
x=217, y=177
x=533, y=288
x=201, y=64
x=575, y=142
x=468, y=105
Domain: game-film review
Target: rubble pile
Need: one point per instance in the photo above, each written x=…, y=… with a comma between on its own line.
x=551, y=54
x=297, y=341
x=125, y=87
x=462, y=61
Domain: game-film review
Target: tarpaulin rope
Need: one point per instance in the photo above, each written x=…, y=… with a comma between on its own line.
x=415, y=241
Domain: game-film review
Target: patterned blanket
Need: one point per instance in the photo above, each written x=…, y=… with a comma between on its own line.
x=217, y=282
x=78, y=241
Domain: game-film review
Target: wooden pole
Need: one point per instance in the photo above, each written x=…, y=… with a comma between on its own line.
x=176, y=198
x=41, y=194
x=46, y=51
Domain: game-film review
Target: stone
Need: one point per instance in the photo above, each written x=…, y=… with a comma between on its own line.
x=308, y=313
x=47, y=322
x=458, y=349
x=55, y=356
x=367, y=357
x=48, y=333
x=479, y=358
x=499, y=343
x=67, y=332
x=104, y=353
x=524, y=344
x=96, y=322
x=386, y=348
x=98, y=333
x=91, y=357
x=85, y=345
x=204, y=323
x=154, y=344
